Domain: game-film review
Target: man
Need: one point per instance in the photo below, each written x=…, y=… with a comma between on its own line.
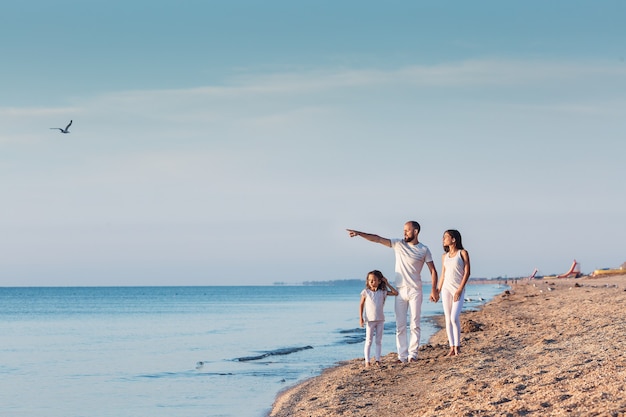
x=411, y=255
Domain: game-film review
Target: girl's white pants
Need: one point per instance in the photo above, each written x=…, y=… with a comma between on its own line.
x=373, y=332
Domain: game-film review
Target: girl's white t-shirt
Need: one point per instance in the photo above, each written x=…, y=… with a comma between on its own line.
x=374, y=304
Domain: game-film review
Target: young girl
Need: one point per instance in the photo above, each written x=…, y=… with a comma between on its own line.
x=372, y=302
x=455, y=271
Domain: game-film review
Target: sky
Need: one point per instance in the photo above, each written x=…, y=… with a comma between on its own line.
x=234, y=142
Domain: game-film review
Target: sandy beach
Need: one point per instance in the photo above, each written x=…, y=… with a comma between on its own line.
x=551, y=347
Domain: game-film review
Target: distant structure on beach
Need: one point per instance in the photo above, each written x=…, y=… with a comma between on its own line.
x=573, y=272
x=610, y=271
x=533, y=275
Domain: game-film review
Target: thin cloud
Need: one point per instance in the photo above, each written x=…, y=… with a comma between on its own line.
x=216, y=101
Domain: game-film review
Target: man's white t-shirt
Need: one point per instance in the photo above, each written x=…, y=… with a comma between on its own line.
x=410, y=260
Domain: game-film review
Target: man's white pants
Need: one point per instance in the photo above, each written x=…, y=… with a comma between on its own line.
x=408, y=300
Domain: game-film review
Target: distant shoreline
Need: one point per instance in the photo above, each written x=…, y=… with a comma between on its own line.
x=342, y=282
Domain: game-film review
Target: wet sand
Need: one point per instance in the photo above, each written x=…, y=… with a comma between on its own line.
x=552, y=347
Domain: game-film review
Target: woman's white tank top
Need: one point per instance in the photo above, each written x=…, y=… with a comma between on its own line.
x=455, y=268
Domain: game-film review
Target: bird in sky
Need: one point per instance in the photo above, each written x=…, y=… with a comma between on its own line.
x=66, y=130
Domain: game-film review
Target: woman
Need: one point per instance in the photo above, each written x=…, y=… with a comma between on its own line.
x=455, y=271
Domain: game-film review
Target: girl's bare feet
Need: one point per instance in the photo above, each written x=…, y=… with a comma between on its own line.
x=452, y=351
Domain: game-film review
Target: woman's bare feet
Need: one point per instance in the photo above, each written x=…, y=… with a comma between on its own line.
x=454, y=351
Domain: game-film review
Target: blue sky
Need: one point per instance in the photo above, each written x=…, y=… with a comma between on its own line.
x=232, y=143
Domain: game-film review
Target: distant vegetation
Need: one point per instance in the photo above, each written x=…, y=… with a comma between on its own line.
x=339, y=282
x=335, y=283
x=348, y=282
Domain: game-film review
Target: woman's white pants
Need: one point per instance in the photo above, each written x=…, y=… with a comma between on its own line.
x=452, y=312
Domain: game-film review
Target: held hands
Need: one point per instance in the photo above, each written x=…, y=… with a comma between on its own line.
x=434, y=295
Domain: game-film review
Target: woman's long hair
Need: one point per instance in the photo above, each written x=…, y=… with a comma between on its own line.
x=456, y=235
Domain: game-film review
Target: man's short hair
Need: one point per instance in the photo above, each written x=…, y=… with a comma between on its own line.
x=415, y=225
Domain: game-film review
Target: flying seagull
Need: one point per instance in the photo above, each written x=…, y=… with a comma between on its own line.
x=66, y=130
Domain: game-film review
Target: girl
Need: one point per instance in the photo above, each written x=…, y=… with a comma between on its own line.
x=455, y=271
x=372, y=302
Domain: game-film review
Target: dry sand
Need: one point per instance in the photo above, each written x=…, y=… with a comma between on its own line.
x=552, y=347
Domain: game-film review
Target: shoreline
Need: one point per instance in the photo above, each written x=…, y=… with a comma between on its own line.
x=544, y=347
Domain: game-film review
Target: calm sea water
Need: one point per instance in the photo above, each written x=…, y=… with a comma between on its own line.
x=177, y=351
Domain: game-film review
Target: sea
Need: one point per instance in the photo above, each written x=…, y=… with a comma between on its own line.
x=179, y=351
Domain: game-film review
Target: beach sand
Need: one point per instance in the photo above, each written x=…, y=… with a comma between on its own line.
x=552, y=347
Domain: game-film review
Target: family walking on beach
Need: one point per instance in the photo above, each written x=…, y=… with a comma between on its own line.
x=411, y=255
